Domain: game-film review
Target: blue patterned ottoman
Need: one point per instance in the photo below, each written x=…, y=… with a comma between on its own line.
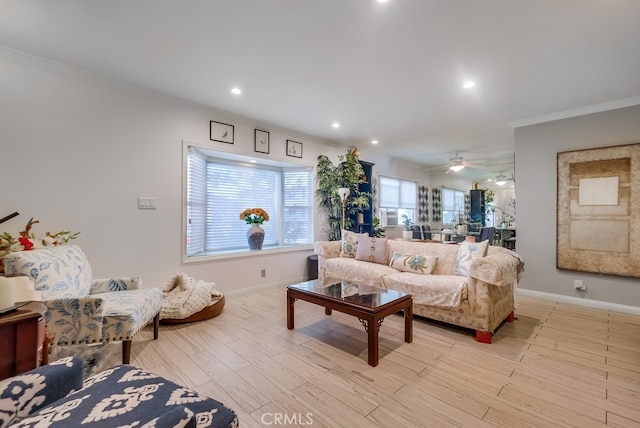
x=54, y=396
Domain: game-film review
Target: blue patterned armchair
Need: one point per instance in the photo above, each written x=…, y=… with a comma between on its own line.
x=55, y=396
x=81, y=309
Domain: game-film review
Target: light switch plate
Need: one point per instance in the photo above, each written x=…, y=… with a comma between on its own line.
x=146, y=203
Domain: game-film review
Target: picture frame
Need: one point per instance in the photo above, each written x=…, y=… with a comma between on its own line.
x=598, y=211
x=222, y=132
x=261, y=141
x=294, y=149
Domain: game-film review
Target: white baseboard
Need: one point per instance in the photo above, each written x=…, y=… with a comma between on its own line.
x=246, y=290
x=596, y=304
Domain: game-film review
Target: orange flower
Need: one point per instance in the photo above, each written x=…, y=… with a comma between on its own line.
x=254, y=215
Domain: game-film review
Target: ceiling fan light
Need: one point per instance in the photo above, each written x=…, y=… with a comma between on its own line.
x=501, y=180
x=456, y=168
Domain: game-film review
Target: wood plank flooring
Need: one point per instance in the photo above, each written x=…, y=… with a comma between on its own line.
x=556, y=366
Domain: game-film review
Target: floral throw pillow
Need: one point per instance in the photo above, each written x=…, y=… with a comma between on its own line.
x=467, y=253
x=349, y=246
x=414, y=263
x=372, y=250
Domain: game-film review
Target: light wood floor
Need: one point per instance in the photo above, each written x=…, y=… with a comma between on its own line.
x=556, y=365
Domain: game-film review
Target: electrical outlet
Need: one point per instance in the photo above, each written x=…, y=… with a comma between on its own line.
x=263, y=273
x=579, y=285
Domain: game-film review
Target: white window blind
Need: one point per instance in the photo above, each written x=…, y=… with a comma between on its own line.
x=219, y=190
x=397, y=197
x=196, y=203
x=452, y=205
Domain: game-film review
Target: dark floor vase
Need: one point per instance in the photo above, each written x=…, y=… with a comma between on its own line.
x=255, y=237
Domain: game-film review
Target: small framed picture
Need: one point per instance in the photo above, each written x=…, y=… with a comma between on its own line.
x=221, y=132
x=261, y=143
x=294, y=149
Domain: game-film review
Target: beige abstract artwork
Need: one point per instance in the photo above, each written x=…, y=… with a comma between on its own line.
x=598, y=220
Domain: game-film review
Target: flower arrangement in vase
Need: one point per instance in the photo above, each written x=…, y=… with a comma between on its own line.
x=27, y=240
x=255, y=217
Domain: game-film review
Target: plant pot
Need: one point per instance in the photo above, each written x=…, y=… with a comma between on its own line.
x=407, y=234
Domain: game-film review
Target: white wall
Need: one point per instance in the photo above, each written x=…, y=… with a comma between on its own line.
x=76, y=152
x=536, y=153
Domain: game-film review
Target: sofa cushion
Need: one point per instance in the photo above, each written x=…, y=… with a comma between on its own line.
x=443, y=291
x=357, y=271
x=446, y=253
x=372, y=249
x=414, y=263
x=349, y=241
x=467, y=253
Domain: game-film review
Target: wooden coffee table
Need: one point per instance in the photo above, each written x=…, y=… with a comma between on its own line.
x=370, y=305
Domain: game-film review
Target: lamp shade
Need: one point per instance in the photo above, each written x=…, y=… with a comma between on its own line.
x=344, y=193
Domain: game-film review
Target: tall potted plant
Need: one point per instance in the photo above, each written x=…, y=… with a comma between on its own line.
x=348, y=173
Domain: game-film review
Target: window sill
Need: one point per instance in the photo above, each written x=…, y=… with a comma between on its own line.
x=246, y=254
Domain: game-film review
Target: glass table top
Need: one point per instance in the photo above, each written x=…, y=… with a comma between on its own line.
x=351, y=292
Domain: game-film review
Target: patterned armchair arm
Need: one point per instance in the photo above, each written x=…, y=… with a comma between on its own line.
x=75, y=320
x=28, y=392
x=115, y=284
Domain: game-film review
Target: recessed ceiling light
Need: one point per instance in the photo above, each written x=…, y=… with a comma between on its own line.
x=253, y=161
x=374, y=142
x=236, y=91
x=382, y=1
x=335, y=125
x=469, y=84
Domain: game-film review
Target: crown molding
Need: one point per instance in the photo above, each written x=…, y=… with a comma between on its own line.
x=581, y=111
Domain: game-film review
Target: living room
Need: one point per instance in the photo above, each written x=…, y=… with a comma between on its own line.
x=79, y=148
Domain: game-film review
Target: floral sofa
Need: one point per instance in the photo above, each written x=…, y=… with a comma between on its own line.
x=81, y=309
x=456, y=284
x=54, y=395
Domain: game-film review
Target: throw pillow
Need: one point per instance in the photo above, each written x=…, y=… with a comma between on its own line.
x=414, y=263
x=349, y=245
x=467, y=253
x=372, y=250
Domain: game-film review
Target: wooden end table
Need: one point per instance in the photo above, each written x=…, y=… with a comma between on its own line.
x=370, y=305
x=22, y=339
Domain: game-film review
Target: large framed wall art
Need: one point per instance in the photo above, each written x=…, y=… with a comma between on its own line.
x=598, y=217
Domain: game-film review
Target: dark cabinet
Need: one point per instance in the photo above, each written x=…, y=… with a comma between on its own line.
x=362, y=222
x=478, y=208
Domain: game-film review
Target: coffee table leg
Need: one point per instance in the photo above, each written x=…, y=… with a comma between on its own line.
x=408, y=322
x=327, y=311
x=372, y=329
x=290, y=302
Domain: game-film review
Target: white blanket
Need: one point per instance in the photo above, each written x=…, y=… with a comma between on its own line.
x=183, y=296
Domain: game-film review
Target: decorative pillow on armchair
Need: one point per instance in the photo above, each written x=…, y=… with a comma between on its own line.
x=349, y=246
x=467, y=253
x=372, y=250
x=414, y=263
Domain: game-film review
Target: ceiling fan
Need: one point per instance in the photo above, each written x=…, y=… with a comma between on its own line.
x=502, y=179
x=456, y=164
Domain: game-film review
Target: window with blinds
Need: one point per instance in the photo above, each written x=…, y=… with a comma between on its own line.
x=397, y=197
x=452, y=206
x=218, y=190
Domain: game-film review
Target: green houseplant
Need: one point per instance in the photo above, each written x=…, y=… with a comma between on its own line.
x=348, y=173
x=407, y=233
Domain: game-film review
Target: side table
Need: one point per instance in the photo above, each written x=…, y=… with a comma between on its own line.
x=22, y=339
